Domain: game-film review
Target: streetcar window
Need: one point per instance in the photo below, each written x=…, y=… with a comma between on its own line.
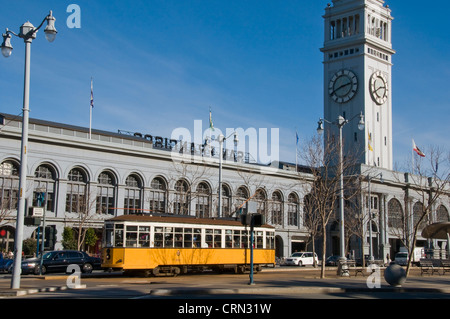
x=109, y=235
x=245, y=239
x=217, y=238
x=259, y=239
x=158, y=242
x=168, y=237
x=197, y=238
x=236, y=239
x=270, y=240
x=209, y=239
x=144, y=236
x=118, y=235
x=131, y=236
x=213, y=238
x=228, y=238
x=178, y=237
x=187, y=240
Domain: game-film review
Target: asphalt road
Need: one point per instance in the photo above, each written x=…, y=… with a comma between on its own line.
x=275, y=293
x=278, y=283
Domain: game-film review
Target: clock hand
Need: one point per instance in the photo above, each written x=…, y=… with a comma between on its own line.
x=381, y=87
x=342, y=86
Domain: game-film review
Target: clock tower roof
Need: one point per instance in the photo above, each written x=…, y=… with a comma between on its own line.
x=339, y=2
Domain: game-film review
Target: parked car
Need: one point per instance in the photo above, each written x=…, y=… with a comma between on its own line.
x=302, y=259
x=58, y=261
x=332, y=260
x=401, y=258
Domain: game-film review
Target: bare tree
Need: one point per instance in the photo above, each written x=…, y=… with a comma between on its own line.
x=253, y=179
x=312, y=221
x=187, y=176
x=320, y=156
x=85, y=215
x=427, y=182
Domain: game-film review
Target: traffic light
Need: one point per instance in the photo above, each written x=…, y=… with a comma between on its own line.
x=258, y=220
x=246, y=219
x=50, y=237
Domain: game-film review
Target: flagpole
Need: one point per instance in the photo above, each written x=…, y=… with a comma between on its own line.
x=90, y=110
x=90, y=121
x=296, y=150
x=211, y=128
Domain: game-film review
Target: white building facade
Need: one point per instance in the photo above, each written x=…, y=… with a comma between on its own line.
x=86, y=181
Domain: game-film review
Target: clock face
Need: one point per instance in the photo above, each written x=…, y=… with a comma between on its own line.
x=343, y=86
x=379, y=88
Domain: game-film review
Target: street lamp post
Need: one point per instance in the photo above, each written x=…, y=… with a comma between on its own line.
x=369, y=202
x=340, y=123
x=28, y=34
x=221, y=139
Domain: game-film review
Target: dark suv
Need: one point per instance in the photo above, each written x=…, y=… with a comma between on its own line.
x=58, y=261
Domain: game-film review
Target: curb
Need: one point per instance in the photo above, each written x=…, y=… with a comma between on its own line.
x=23, y=292
x=290, y=290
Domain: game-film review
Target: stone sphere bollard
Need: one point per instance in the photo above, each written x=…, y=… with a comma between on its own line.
x=395, y=275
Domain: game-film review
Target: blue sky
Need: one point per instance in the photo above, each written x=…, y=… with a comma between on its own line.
x=158, y=65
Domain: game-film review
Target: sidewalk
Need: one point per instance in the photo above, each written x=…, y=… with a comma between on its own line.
x=309, y=282
x=279, y=281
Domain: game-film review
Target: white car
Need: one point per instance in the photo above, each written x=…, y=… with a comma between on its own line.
x=401, y=258
x=302, y=259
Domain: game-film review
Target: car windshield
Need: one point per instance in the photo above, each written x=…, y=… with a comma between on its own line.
x=401, y=255
x=296, y=254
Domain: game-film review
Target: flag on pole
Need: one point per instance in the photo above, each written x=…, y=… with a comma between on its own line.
x=296, y=136
x=92, y=94
x=417, y=150
x=370, y=142
x=90, y=109
x=211, y=126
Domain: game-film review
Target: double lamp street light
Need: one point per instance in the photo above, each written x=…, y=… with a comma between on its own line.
x=340, y=123
x=28, y=34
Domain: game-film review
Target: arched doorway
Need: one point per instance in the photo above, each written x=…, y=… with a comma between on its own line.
x=279, y=247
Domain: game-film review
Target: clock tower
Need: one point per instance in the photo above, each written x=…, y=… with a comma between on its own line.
x=357, y=77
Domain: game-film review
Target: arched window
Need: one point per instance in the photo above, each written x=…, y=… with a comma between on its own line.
x=260, y=198
x=182, y=198
x=77, y=196
x=292, y=209
x=158, y=195
x=226, y=201
x=396, y=218
x=277, y=208
x=106, y=193
x=241, y=198
x=203, y=200
x=418, y=212
x=9, y=185
x=442, y=214
x=44, y=182
x=132, y=202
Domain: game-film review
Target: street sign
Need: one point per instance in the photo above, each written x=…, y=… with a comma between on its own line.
x=37, y=212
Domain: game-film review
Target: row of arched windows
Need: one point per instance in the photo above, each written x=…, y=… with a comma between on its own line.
x=397, y=220
x=82, y=196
